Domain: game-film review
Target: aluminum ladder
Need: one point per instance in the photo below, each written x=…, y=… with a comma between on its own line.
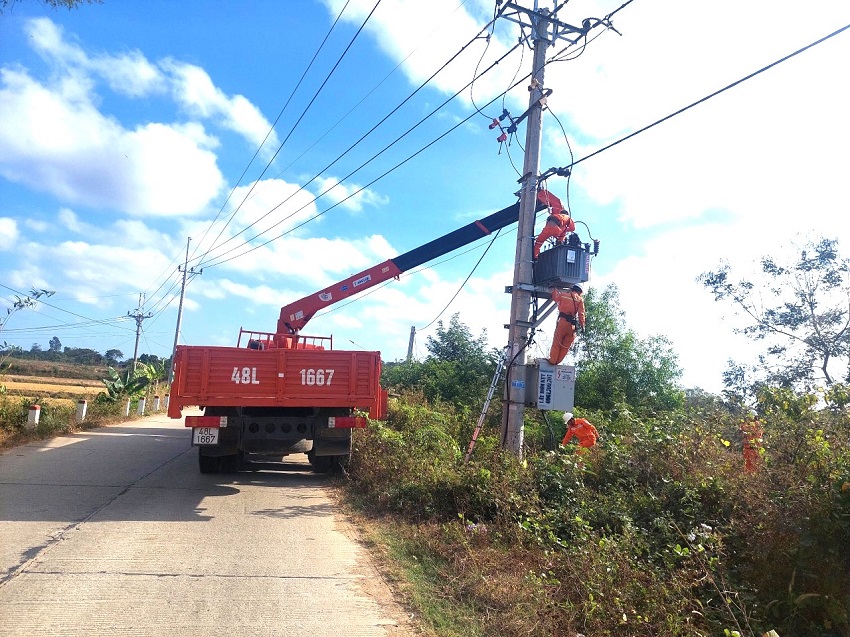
x=500, y=368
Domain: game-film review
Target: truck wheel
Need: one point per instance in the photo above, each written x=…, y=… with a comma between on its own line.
x=208, y=464
x=321, y=464
x=230, y=464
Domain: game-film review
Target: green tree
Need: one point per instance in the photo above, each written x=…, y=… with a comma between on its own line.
x=151, y=359
x=799, y=308
x=113, y=356
x=83, y=356
x=615, y=366
x=55, y=345
x=458, y=369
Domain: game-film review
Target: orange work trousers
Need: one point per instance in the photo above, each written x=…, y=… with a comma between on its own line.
x=549, y=230
x=584, y=446
x=565, y=334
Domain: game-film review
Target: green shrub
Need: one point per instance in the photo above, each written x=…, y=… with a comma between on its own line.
x=656, y=531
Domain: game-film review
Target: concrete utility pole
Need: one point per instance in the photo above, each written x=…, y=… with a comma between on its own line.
x=185, y=270
x=140, y=316
x=512, y=412
x=541, y=22
x=410, y=343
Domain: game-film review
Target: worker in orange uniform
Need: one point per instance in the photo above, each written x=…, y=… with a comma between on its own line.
x=570, y=317
x=582, y=430
x=752, y=433
x=558, y=223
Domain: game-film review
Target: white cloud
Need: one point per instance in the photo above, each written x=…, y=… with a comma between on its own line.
x=70, y=221
x=55, y=140
x=259, y=294
x=86, y=267
x=443, y=28
x=8, y=232
x=133, y=75
x=194, y=89
x=47, y=39
x=130, y=74
x=37, y=225
x=350, y=196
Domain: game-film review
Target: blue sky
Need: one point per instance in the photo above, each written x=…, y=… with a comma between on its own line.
x=128, y=127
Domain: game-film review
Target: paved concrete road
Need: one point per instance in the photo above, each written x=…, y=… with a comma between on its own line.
x=114, y=531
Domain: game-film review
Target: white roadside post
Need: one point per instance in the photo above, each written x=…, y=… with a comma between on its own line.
x=33, y=416
x=82, y=405
x=156, y=403
x=127, y=408
x=141, y=410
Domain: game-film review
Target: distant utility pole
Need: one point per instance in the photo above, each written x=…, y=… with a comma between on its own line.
x=410, y=343
x=540, y=22
x=185, y=270
x=140, y=316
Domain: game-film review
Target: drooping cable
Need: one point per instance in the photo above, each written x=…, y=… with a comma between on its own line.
x=475, y=267
x=496, y=13
x=567, y=205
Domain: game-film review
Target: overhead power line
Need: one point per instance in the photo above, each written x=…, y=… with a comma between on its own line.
x=218, y=260
x=294, y=126
x=271, y=129
x=333, y=127
x=708, y=97
x=244, y=172
x=573, y=163
x=41, y=301
x=345, y=152
x=367, y=162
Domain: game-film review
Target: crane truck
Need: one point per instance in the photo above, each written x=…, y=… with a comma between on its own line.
x=280, y=393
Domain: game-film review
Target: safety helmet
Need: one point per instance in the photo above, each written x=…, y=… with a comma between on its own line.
x=567, y=417
x=577, y=288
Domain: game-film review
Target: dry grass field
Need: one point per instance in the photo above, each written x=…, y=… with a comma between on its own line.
x=51, y=380
x=44, y=370
x=38, y=387
x=54, y=384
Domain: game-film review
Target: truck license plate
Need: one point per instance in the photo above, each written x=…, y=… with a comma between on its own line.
x=205, y=436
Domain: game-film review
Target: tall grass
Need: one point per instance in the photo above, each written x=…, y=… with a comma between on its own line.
x=658, y=531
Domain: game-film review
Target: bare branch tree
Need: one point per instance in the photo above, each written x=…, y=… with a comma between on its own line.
x=801, y=307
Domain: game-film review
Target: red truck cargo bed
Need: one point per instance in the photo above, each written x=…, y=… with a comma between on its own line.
x=236, y=377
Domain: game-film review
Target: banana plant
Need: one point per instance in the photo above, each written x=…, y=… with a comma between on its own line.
x=118, y=388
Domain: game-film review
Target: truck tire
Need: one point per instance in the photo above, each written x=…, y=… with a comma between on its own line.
x=231, y=463
x=320, y=464
x=208, y=464
x=327, y=464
